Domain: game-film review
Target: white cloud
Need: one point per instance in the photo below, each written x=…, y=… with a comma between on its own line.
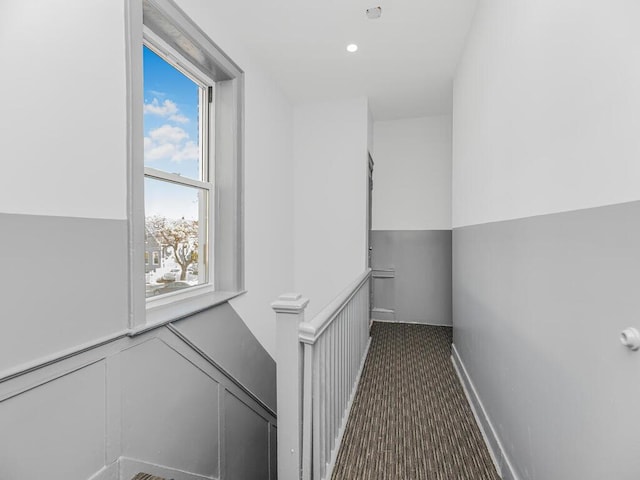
x=157, y=152
x=178, y=117
x=168, y=134
x=166, y=109
x=189, y=151
x=163, y=110
x=169, y=142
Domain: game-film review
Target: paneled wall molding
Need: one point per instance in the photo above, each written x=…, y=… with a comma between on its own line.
x=79, y=350
x=218, y=367
x=42, y=380
x=88, y=353
x=131, y=396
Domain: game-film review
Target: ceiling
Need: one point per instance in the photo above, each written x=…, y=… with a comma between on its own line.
x=405, y=62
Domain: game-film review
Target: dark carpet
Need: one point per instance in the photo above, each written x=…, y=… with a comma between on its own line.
x=146, y=476
x=410, y=419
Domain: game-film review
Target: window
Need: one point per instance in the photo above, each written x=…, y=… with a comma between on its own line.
x=186, y=143
x=177, y=187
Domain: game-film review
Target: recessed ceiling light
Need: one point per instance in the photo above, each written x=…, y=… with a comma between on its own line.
x=352, y=47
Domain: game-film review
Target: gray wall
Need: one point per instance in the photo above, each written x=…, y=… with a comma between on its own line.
x=63, y=284
x=412, y=275
x=223, y=336
x=196, y=396
x=538, y=305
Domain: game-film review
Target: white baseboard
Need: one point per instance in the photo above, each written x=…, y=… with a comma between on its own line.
x=129, y=467
x=109, y=472
x=383, y=314
x=411, y=323
x=496, y=450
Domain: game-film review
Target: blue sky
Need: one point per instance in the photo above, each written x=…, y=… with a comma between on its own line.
x=170, y=136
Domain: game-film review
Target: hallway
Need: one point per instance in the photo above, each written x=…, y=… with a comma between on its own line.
x=410, y=419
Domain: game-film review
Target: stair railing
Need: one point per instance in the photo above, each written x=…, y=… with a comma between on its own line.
x=318, y=368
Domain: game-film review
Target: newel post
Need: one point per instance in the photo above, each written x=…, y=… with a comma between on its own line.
x=289, y=310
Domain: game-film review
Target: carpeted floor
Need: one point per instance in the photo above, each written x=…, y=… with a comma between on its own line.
x=410, y=419
x=146, y=476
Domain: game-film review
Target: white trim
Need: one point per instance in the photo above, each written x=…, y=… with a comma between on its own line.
x=174, y=306
x=177, y=179
x=412, y=323
x=108, y=472
x=310, y=331
x=491, y=439
x=347, y=412
x=42, y=362
x=157, y=45
x=383, y=314
x=135, y=162
x=290, y=303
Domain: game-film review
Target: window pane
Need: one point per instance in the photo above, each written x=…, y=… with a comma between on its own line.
x=175, y=236
x=171, y=118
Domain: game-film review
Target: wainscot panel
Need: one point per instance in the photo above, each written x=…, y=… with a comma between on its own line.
x=55, y=430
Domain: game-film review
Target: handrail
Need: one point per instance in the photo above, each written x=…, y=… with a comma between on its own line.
x=311, y=330
x=319, y=365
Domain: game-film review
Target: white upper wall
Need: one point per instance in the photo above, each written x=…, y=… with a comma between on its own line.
x=331, y=177
x=412, y=174
x=268, y=181
x=63, y=97
x=546, y=104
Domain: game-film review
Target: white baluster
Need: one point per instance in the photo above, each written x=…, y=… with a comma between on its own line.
x=318, y=407
x=307, y=411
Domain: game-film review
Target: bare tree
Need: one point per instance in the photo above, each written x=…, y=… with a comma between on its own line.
x=181, y=236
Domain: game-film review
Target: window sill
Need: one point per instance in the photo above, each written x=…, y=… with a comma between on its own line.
x=172, y=307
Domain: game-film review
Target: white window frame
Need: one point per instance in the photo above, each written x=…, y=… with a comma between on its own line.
x=167, y=30
x=206, y=139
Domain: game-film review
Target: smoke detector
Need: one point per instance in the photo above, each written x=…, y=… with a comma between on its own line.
x=374, y=12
